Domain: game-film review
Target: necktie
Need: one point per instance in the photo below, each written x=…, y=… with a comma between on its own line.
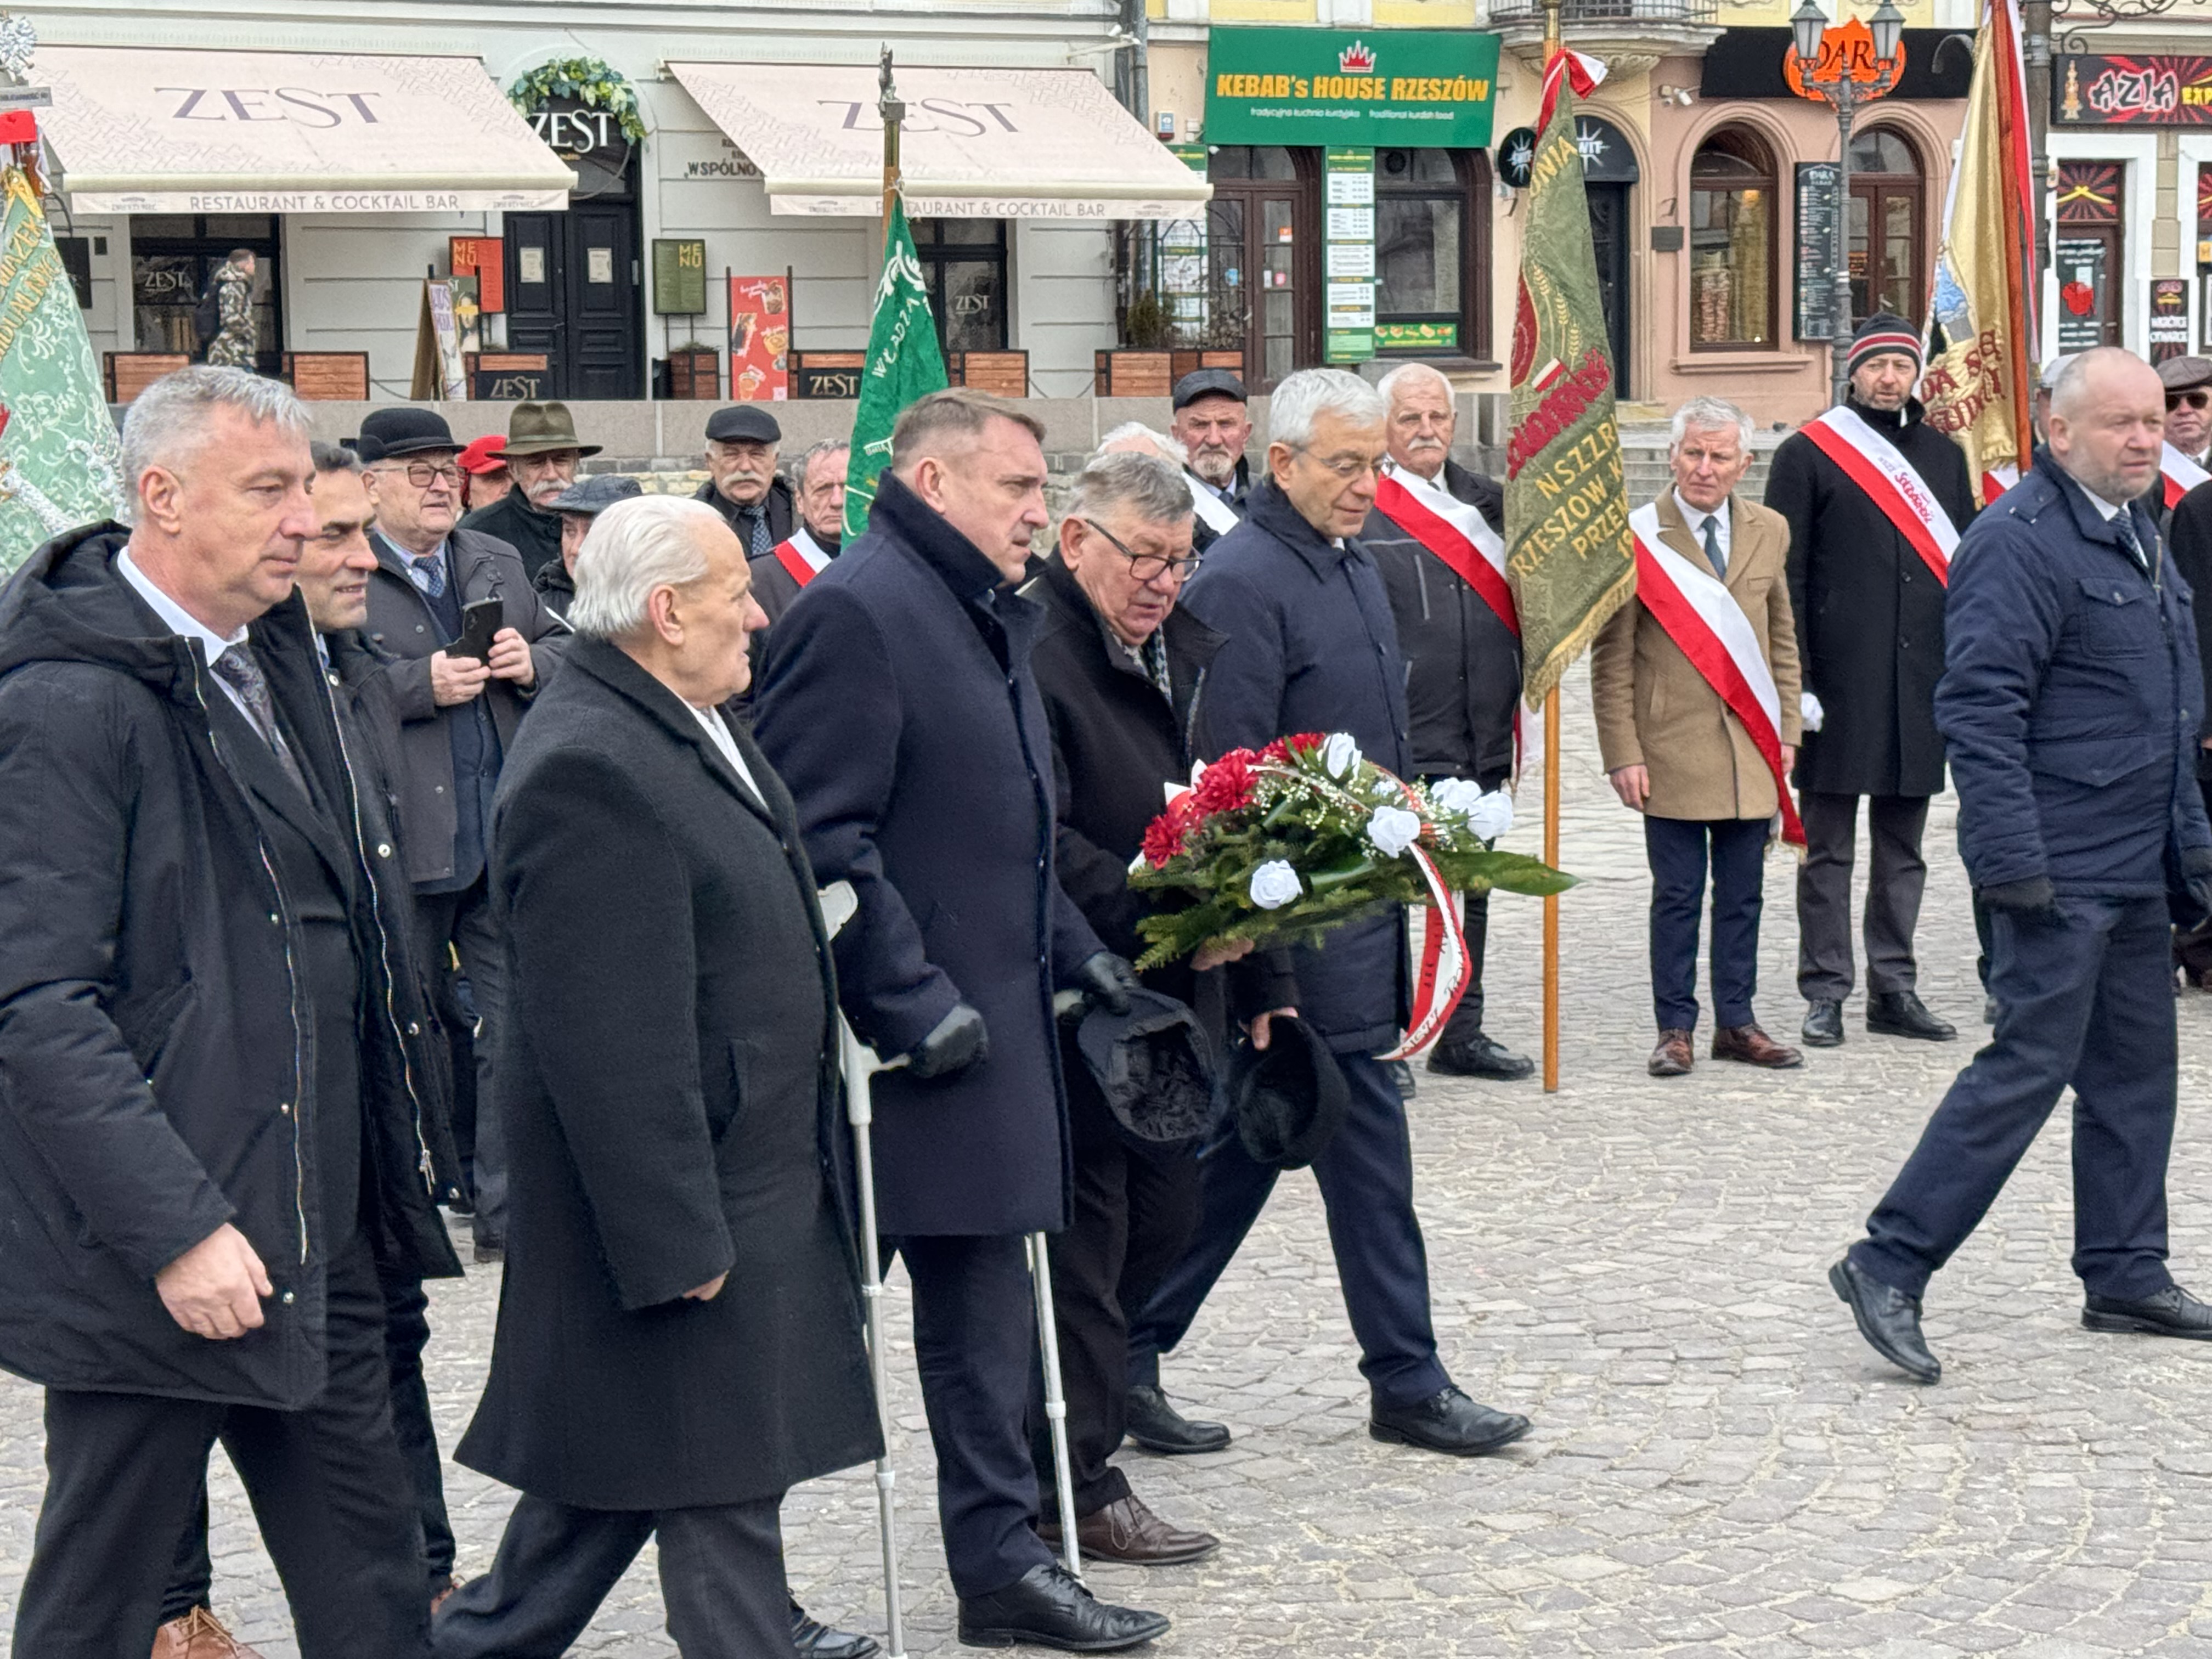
x=429, y=571
x=1713, y=554
x=756, y=541
x=2124, y=523
x=237, y=669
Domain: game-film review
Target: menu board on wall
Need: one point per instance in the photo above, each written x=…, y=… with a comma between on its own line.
x=483, y=257
x=1348, y=255
x=760, y=339
x=680, y=276
x=1817, y=255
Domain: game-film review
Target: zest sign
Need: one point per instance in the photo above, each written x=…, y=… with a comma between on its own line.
x=295, y=104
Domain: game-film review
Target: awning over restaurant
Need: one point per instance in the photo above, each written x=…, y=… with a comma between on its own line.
x=977, y=143
x=143, y=131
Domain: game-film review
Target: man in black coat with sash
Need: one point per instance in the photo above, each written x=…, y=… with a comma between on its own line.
x=210, y=1139
x=1310, y=646
x=679, y=1327
x=926, y=782
x=1867, y=587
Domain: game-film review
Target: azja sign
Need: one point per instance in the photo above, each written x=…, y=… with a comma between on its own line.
x=1386, y=87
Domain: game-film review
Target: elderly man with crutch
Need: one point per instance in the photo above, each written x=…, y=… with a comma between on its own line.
x=926, y=783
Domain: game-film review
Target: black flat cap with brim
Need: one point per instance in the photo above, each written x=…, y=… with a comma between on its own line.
x=1289, y=1099
x=744, y=423
x=1208, y=383
x=386, y=435
x=1154, y=1069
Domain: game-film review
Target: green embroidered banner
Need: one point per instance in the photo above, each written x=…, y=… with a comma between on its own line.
x=904, y=364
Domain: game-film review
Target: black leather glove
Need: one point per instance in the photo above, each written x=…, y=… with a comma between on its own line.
x=2032, y=900
x=2196, y=872
x=1106, y=978
x=954, y=1043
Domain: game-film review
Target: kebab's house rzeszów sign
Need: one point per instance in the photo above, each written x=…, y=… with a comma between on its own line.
x=1390, y=87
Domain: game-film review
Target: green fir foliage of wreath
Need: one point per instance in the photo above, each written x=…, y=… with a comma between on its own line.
x=588, y=80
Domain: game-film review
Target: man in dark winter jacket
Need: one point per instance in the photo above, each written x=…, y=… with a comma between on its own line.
x=804, y=553
x=744, y=488
x=926, y=783
x=1212, y=425
x=2071, y=704
x=211, y=1140
x=1123, y=672
x=458, y=715
x=1461, y=643
x=1309, y=646
x=1876, y=499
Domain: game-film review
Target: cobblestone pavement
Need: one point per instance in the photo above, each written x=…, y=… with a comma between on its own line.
x=1719, y=1466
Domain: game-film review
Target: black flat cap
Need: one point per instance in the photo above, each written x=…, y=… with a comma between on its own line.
x=1289, y=1100
x=1208, y=383
x=744, y=423
x=1154, y=1069
x=388, y=433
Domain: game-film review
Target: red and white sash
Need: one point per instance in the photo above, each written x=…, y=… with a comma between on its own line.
x=1702, y=617
x=1891, y=482
x=1455, y=532
x=803, y=560
x=1997, y=480
x=2181, y=474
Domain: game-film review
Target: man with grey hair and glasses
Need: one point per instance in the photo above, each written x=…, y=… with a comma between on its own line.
x=798, y=558
x=1310, y=646
x=211, y=1143
x=1679, y=751
x=2070, y=704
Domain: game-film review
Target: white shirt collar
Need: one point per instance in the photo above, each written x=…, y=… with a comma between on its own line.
x=2105, y=509
x=1695, y=518
x=179, y=621
x=719, y=730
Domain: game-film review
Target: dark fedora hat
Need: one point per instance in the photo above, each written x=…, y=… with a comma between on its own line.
x=1154, y=1069
x=540, y=428
x=1289, y=1099
x=388, y=433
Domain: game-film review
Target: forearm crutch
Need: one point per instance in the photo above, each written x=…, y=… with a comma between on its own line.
x=1055, y=1399
x=859, y=1063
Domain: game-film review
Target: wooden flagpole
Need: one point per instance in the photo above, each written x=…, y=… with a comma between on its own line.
x=1551, y=769
x=892, y=112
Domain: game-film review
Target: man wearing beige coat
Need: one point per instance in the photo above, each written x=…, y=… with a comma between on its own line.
x=1713, y=604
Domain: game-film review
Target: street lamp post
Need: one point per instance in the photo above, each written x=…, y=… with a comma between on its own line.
x=1808, y=25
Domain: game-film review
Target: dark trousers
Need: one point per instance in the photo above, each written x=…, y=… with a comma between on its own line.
x=2089, y=1003
x=1366, y=1176
x=406, y=1333
x=721, y=1580
x=463, y=921
x=1677, y=850
x=2192, y=945
x=1894, y=882
x=976, y=1345
x=1135, y=1212
x=329, y=1488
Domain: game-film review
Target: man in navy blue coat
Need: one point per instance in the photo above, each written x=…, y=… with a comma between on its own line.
x=1310, y=646
x=898, y=706
x=2071, y=701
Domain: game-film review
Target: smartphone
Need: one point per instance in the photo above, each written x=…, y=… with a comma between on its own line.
x=479, y=622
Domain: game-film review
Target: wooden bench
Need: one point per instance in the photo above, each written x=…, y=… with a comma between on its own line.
x=328, y=376
x=1001, y=374
x=1134, y=373
x=130, y=373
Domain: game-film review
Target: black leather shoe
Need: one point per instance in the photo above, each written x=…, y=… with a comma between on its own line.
x=1049, y=1606
x=1888, y=1319
x=2172, y=1312
x=1401, y=1078
x=1480, y=1056
x=1447, y=1421
x=815, y=1640
x=1824, y=1024
x=1900, y=1014
x=1157, y=1426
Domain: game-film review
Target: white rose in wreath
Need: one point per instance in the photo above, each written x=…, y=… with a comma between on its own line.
x=1341, y=756
x=1456, y=796
x=1392, y=830
x=1274, y=885
x=1491, y=815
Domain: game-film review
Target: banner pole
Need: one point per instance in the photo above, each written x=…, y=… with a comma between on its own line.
x=1552, y=900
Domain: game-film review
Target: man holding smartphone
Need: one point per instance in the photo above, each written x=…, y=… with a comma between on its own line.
x=460, y=691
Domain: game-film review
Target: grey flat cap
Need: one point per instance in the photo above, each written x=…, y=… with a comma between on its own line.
x=596, y=493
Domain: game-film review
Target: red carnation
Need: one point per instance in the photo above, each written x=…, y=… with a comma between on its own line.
x=1169, y=833
x=1226, y=785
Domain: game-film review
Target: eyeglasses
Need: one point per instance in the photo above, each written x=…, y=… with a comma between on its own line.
x=2199, y=400
x=423, y=474
x=1146, y=567
x=1349, y=467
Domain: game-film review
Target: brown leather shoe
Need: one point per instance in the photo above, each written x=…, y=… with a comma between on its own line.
x=198, y=1635
x=1674, y=1056
x=1126, y=1531
x=1753, y=1048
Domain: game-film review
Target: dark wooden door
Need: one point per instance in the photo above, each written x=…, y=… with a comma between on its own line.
x=1608, y=216
x=1264, y=249
x=573, y=294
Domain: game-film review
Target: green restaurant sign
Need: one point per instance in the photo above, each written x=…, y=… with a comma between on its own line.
x=1388, y=88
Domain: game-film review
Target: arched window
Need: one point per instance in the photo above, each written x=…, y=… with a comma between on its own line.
x=1888, y=204
x=1732, y=213
x=1431, y=234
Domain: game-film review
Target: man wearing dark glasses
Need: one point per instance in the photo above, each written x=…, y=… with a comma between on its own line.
x=2188, y=382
